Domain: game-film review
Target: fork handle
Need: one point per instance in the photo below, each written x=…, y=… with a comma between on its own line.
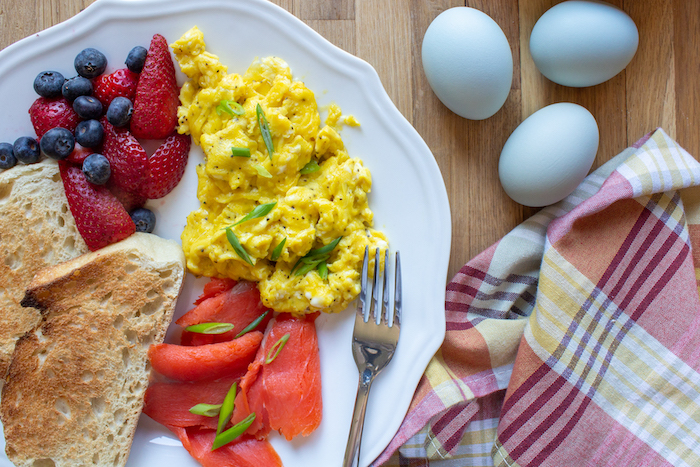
x=352, y=451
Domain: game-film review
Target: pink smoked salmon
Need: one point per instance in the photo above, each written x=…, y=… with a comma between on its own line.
x=169, y=403
x=202, y=362
x=214, y=287
x=239, y=306
x=243, y=452
x=285, y=394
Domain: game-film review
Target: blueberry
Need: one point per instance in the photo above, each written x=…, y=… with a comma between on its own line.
x=144, y=219
x=26, y=150
x=58, y=143
x=119, y=111
x=76, y=86
x=90, y=63
x=89, y=133
x=136, y=59
x=87, y=107
x=7, y=156
x=96, y=169
x=49, y=83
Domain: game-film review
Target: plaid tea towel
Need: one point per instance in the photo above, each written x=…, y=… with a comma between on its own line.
x=575, y=340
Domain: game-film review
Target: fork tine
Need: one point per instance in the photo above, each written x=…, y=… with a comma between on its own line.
x=386, y=319
x=397, y=290
x=362, y=305
x=378, y=277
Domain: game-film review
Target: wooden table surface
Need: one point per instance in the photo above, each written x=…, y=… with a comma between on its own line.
x=659, y=88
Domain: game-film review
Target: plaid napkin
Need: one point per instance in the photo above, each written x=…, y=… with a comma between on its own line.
x=575, y=340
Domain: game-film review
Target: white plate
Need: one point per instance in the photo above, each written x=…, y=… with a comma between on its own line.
x=408, y=195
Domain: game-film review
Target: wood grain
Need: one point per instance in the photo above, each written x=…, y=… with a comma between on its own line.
x=659, y=88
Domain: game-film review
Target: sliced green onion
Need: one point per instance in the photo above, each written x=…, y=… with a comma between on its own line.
x=264, y=130
x=237, y=247
x=312, y=259
x=277, y=348
x=240, y=152
x=208, y=410
x=262, y=171
x=252, y=325
x=232, y=108
x=232, y=433
x=322, y=269
x=278, y=250
x=226, y=408
x=311, y=167
x=259, y=211
x=210, y=328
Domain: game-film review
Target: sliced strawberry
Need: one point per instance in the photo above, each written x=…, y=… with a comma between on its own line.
x=156, y=100
x=130, y=201
x=127, y=158
x=121, y=83
x=166, y=166
x=50, y=112
x=79, y=154
x=99, y=216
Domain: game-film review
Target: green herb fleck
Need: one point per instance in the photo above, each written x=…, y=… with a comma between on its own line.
x=232, y=433
x=277, y=348
x=262, y=171
x=240, y=152
x=253, y=325
x=210, y=328
x=259, y=211
x=311, y=167
x=278, y=250
x=226, y=408
x=314, y=258
x=207, y=410
x=232, y=108
x=237, y=247
x=264, y=130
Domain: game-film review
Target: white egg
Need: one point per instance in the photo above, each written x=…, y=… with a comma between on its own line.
x=583, y=43
x=549, y=154
x=468, y=62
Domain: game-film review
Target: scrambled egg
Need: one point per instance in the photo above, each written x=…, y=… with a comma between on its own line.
x=264, y=215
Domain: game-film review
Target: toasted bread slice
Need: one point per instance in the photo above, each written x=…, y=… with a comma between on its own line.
x=36, y=230
x=75, y=387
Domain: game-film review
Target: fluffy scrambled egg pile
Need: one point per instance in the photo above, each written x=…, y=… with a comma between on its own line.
x=292, y=216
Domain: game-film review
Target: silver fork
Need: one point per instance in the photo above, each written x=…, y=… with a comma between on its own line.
x=373, y=342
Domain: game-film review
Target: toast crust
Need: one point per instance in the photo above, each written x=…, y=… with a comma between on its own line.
x=37, y=230
x=75, y=386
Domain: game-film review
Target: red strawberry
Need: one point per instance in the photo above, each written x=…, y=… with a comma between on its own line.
x=130, y=201
x=99, y=216
x=120, y=83
x=127, y=158
x=50, y=112
x=156, y=101
x=79, y=154
x=166, y=166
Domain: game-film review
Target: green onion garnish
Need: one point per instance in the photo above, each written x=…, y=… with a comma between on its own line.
x=277, y=348
x=252, y=325
x=259, y=211
x=313, y=258
x=208, y=410
x=322, y=269
x=232, y=108
x=278, y=250
x=210, y=328
x=311, y=167
x=237, y=247
x=262, y=171
x=232, y=433
x=240, y=152
x=264, y=130
x=226, y=408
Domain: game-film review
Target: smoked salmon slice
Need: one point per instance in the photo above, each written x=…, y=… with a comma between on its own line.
x=169, y=403
x=212, y=361
x=239, y=306
x=284, y=393
x=214, y=287
x=243, y=452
